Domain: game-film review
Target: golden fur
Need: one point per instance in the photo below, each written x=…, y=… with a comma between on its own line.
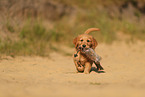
x=82, y=63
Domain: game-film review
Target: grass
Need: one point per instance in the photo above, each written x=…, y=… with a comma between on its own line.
x=34, y=38
x=92, y=3
x=9, y=27
x=134, y=29
x=91, y=83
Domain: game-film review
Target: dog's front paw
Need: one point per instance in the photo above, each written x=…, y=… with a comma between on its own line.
x=86, y=72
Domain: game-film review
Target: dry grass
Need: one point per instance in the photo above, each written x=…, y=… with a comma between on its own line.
x=35, y=38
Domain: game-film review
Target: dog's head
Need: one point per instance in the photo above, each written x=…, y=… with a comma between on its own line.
x=85, y=40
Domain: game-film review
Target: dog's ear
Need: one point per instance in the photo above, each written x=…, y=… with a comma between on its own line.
x=75, y=41
x=94, y=43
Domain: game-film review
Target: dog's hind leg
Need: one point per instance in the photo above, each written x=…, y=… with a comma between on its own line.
x=98, y=65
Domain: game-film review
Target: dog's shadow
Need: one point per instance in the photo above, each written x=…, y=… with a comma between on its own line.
x=96, y=70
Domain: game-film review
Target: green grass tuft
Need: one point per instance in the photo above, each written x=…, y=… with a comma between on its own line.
x=95, y=83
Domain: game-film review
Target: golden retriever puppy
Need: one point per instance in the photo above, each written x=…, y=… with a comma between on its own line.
x=83, y=63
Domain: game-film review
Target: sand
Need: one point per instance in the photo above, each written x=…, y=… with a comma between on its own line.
x=55, y=76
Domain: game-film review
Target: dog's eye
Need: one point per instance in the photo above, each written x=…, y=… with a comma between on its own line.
x=88, y=40
x=81, y=39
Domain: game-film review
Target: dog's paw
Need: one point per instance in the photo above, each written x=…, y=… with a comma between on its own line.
x=86, y=72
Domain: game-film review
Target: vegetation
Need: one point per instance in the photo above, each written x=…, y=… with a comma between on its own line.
x=35, y=38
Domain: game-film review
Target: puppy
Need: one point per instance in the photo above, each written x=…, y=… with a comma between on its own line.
x=82, y=62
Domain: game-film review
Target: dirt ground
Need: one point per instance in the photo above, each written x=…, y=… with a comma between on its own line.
x=56, y=76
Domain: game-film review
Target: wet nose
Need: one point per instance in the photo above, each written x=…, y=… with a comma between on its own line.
x=84, y=45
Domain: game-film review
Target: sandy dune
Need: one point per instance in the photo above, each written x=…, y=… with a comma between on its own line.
x=56, y=76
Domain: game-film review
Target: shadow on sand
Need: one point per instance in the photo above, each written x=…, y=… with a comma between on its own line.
x=96, y=70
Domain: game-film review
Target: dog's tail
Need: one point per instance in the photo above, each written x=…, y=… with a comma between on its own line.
x=91, y=29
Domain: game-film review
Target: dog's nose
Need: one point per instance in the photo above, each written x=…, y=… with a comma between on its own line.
x=84, y=45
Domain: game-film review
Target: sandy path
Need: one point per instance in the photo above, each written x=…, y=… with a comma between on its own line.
x=56, y=76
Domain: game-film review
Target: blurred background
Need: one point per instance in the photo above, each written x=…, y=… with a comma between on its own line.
x=37, y=27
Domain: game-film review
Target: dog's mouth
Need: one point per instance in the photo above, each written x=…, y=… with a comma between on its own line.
x=82, y=49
